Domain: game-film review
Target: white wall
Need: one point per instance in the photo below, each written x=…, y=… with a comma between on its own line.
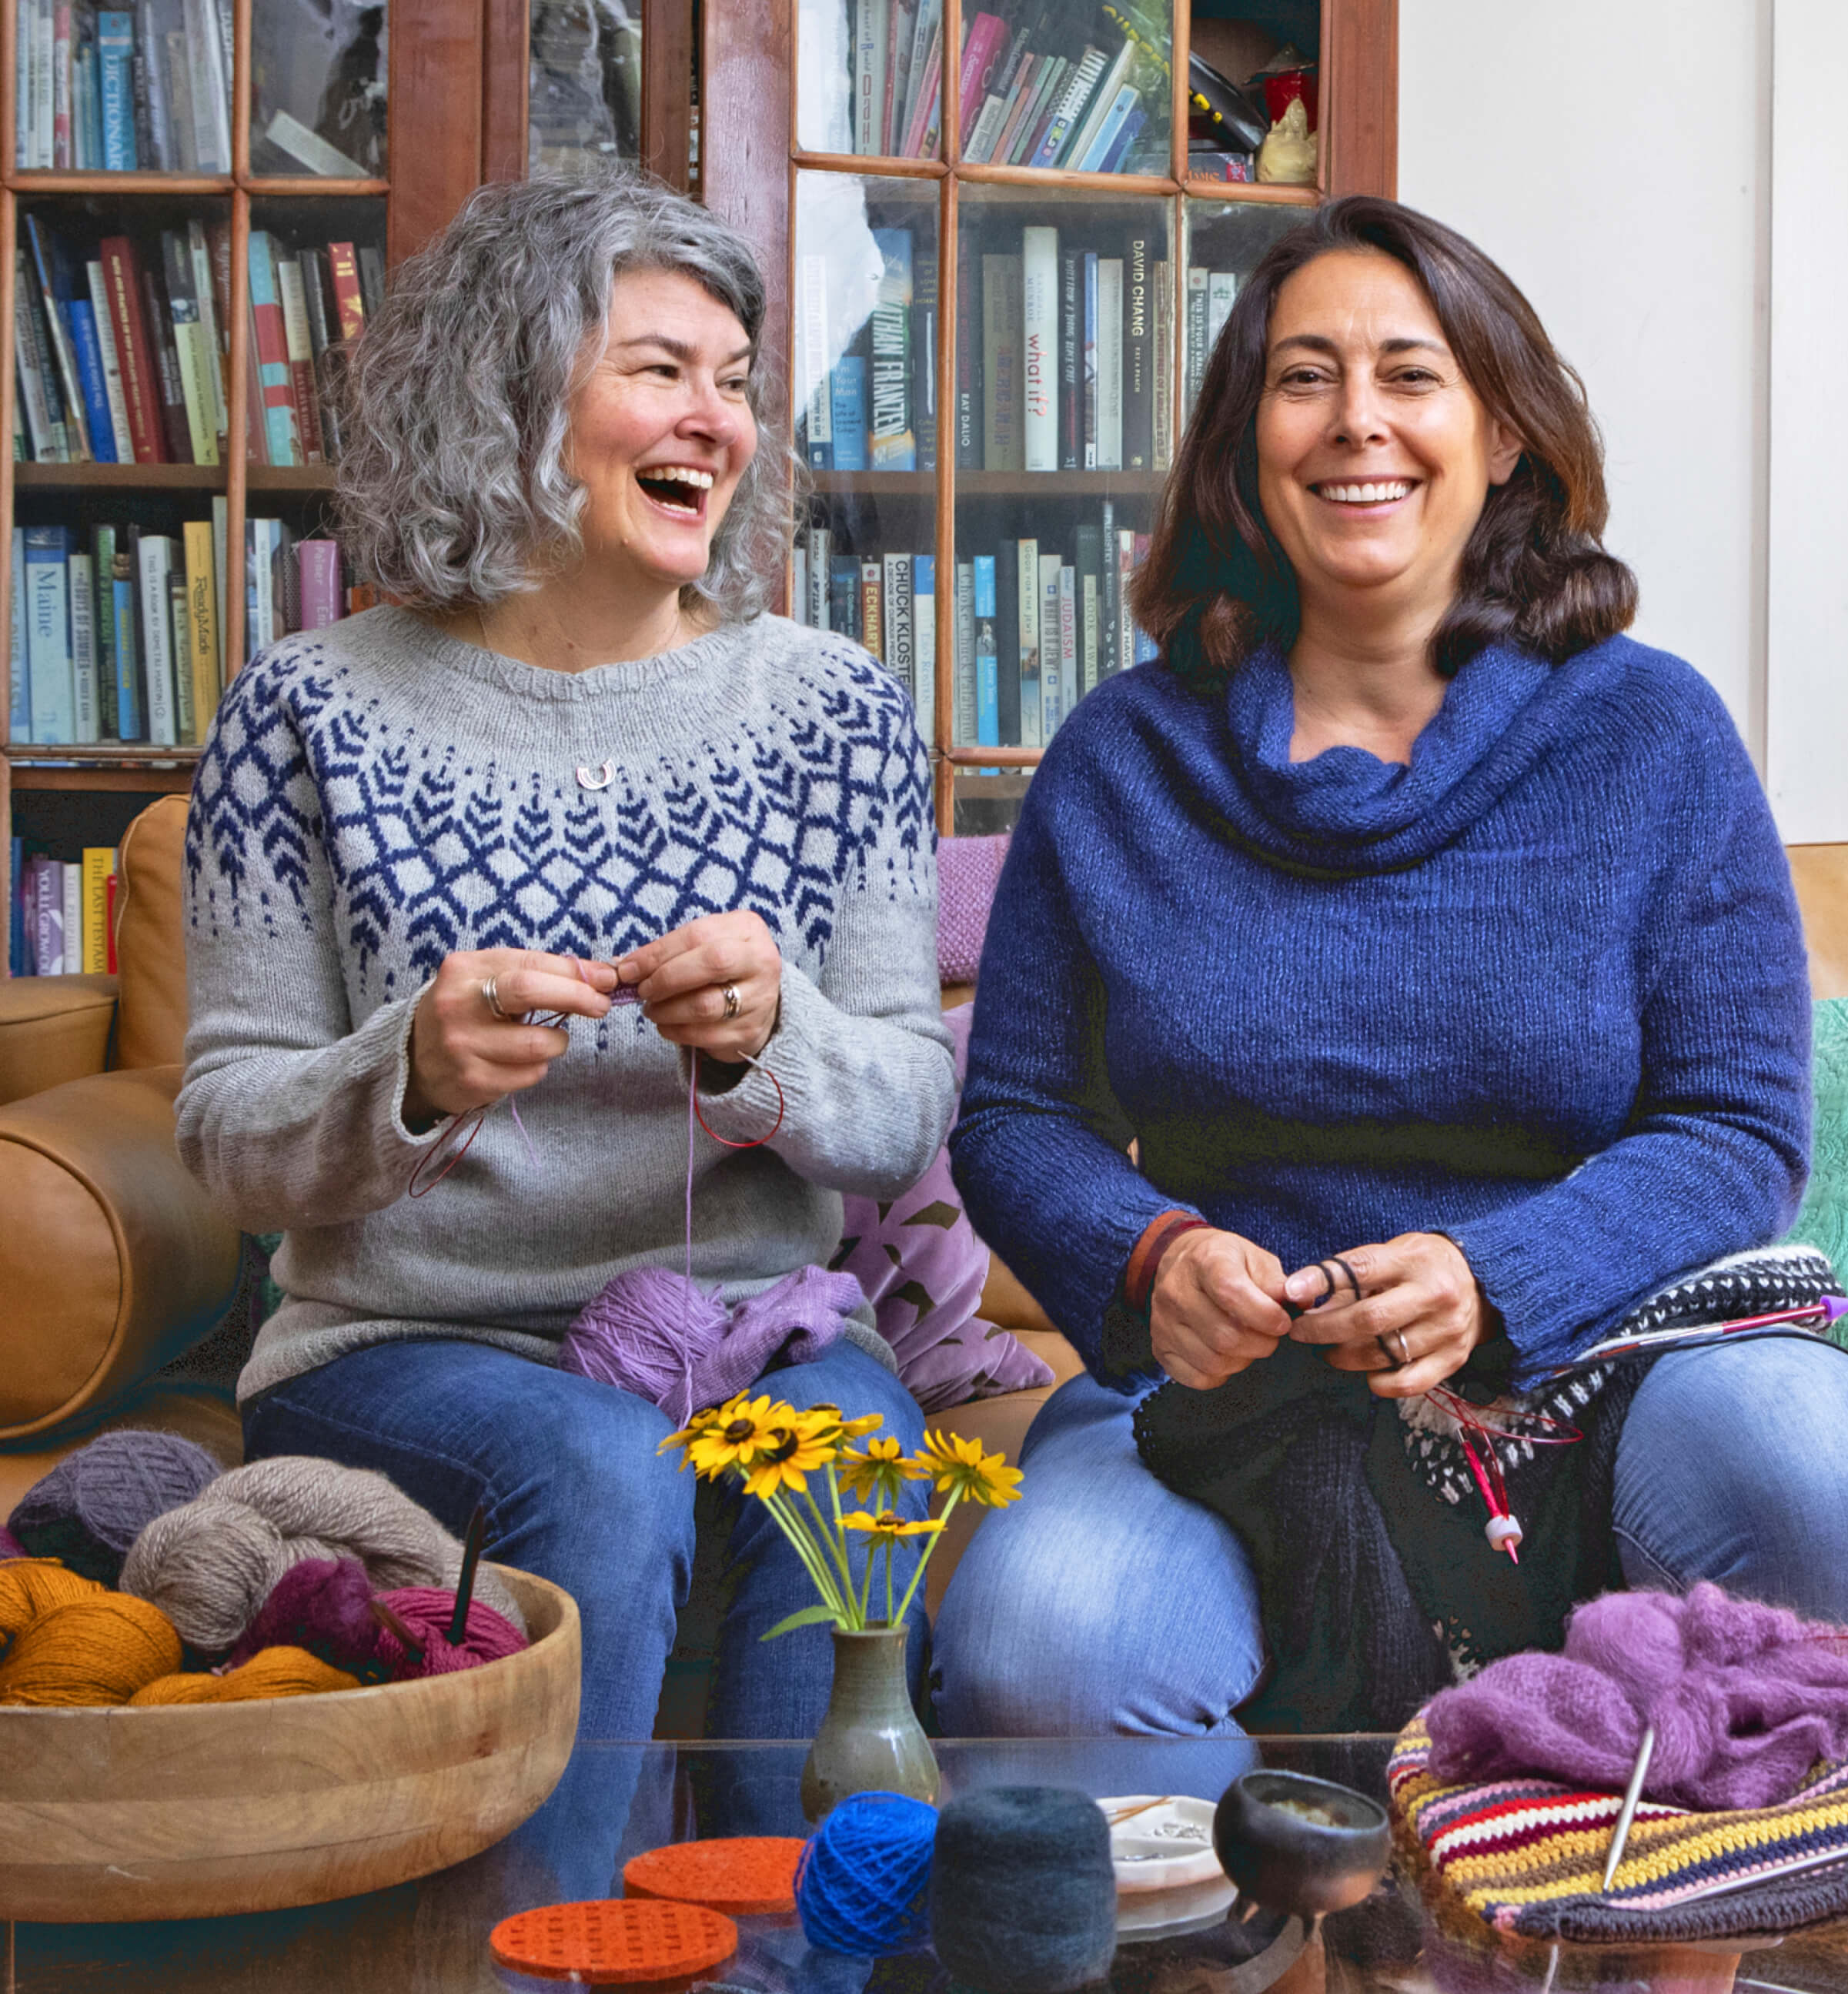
x=1615, y=157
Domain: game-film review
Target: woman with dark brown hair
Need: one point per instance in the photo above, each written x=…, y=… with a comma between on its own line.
x=1396, y=993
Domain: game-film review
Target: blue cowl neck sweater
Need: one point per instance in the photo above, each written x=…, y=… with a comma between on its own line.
x=1544, y=990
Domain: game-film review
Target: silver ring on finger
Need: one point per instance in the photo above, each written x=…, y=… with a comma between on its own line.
x=492, y=996
x=733, y=1005
x=1403, y=1357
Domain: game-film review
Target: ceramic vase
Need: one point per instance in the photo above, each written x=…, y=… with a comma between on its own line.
x=870, y=1738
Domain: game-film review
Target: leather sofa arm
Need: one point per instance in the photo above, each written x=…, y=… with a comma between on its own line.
x=112, y=1260
x=52, y=1029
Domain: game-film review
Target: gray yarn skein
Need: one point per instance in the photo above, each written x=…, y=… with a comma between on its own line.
x=210, y=1565
x=1022, y=1893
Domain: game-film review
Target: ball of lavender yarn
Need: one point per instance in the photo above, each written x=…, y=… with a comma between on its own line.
x=323, y=1605
x=210, y=1566
x=94, y=1504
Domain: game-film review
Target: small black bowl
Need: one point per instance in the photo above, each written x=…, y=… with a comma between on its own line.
x=1287, y=1862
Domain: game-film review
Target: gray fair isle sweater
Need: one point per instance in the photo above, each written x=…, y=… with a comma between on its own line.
x=377, y=795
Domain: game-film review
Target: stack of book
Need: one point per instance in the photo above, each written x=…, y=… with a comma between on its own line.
x=875, y=409
x=1209, y=298
x=1077, y=86
x=122, y=348
x=895, y=72
x=147, y=89
x=886, y=601
x=1064, y=349
x=62, y=916
x=118, y=632
x=1038, y=625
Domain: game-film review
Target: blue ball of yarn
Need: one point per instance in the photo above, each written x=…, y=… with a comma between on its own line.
x=860, y=1885
x=94, y=1504
x=1023, y=1895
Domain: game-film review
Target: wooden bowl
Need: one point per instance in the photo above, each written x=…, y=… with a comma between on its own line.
x=195, y=1810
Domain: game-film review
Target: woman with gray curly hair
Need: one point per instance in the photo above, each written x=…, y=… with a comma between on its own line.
x=576, y=762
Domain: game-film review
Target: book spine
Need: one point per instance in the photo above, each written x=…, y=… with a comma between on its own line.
x=1197, y=276
x=18, y=705
x=1109, y=363
x=48, y=636
x=927, y=49
x=818, y=422
x=221, y=540
x=301, y=356
x=923, y=645
x=1068, y=684
x=901, y=24
x=1051, y=691
x=44, y=88
x=1087, y=361
x=23, y=113
x=44, y=427
x=108, y=360
x=1026, y=596
x=70, y=881
x=1125, y=620
x=348, y=294
x=272, y=355
x=205, y=63
x=849, y=417
x=61, y=157
x=988, y=707
x=322, y=599
x=820, y=547
x=157, y=312
x=1033, y=133
x=1072, y=106
x=869, y=74
x=873, y=631
x=184, y=134
x=1161, y=365
x=99, y=862
x=1221, y=294
x=1078, y=147
x=984, y=43
x=372, y=278
x=1127, y=132
x=966, y=727
x=86, y=113
x=896, y=613
x=48, y=896
x=970, y=417
x=122, y=268
x=894, y=444
x=82, y=612
x=116, y=63
x=131, y=676
x=205, y=293
x=156, y=567
x=1016, y=107
x=1007, y=643
x=203, y=647
x=1001, y=443
x=923, y=360
x=1112, y=123
x=844, y=595
x=193, y=360
x=1040, y=348
x=180, y=625
x=1107, y=660
x=1071, y=356
x=1138, y=401
x=44, y=257
x=102, y=543
x=317, y=296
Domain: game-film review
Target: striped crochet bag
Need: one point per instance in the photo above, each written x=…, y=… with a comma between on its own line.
x=1526, y=1856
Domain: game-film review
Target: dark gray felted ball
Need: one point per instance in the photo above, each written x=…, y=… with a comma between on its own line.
x=1022, y=1896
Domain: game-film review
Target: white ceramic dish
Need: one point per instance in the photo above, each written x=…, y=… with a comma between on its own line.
x=1160, y=1843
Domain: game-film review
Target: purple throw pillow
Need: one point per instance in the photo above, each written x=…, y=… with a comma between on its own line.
x=968, y=871
x=922, y=1267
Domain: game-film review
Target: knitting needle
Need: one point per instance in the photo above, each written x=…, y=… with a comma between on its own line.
x=1776, y=1875
x=1141, y=1806
x=472, y=1551
x=390, y=1622
x=1627, y=1813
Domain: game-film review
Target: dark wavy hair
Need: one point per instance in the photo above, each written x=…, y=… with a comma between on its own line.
x=1216, y=585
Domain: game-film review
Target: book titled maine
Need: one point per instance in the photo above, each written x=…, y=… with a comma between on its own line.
x=894, y=443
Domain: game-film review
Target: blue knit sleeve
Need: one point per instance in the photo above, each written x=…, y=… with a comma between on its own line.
x=1040, y=1149
x=1714, y=1156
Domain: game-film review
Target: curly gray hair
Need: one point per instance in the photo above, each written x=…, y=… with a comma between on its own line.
x=453, y=490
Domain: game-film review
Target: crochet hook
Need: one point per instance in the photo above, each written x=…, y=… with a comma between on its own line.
x=1620, y=1836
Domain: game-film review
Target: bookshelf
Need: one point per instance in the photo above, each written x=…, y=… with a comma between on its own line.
x=835, y=201
x=470, y=92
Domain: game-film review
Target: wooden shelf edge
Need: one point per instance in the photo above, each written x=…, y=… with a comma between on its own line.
x=120, y=477
x=877, y=165
x=1257, y=192
x=258, y=186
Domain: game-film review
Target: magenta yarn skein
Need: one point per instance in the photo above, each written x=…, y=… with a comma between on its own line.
x=92, y=1506
x=10, y=1545
x=323, y=1605
x=426, y=1611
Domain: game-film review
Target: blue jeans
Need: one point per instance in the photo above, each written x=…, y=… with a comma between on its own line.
x=574, y=1491
x=1102, y=1602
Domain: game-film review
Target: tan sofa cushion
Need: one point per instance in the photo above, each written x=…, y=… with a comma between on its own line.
x=52, y=1029
x=1821, y=873
x=150, y=950
x=111, y=1260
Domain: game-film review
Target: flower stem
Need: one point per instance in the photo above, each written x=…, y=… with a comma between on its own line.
x=949, y=1509
x=834, y=1540
x=792, y=1527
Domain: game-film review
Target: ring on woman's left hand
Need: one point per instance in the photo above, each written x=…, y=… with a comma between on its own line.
x=733, y=1005
x=1399, y=1360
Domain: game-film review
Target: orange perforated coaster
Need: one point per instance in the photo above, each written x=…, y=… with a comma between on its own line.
x=748, y=1874
x=611, y=1939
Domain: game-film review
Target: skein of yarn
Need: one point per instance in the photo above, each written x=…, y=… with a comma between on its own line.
x=10, y=1545
x=862, y=1884
x=1022, y=1896
x=275, y=1672
x=425, y=1612
x=322, y=1605
x=94, y=1503
x=211, y=1564
x=68, y=1640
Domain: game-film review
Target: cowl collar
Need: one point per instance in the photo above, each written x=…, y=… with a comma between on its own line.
x=1346, y=812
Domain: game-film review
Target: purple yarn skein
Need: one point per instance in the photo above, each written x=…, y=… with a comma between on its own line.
x=10, y=1545
x=654, y=1332
x=321, y=1604
x=93, y=1506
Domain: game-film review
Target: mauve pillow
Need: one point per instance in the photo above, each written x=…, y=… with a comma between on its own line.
x=922, y=1268
x=967, y=870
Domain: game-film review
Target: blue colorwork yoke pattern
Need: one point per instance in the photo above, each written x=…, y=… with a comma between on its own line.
x=1544, y=990
x=377, y=795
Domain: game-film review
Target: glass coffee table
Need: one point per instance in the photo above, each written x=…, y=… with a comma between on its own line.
x=431, y=1936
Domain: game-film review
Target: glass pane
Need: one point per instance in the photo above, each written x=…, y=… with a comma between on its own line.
x=317, y=88
x=1088, y=89
x=865, y=394
x=584, y=85
x=1062, y=425
x=1248, y=61
x=146, y=89
x=870, y=77
x=1224, y=242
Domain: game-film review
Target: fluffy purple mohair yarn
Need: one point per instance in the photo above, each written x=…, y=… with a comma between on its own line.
x=1744, y=1700
x=93, y=1506
x=322, y=1605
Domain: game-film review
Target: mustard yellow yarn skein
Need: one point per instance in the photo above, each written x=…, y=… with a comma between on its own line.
x=69, y=1641
x=270, y=1672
